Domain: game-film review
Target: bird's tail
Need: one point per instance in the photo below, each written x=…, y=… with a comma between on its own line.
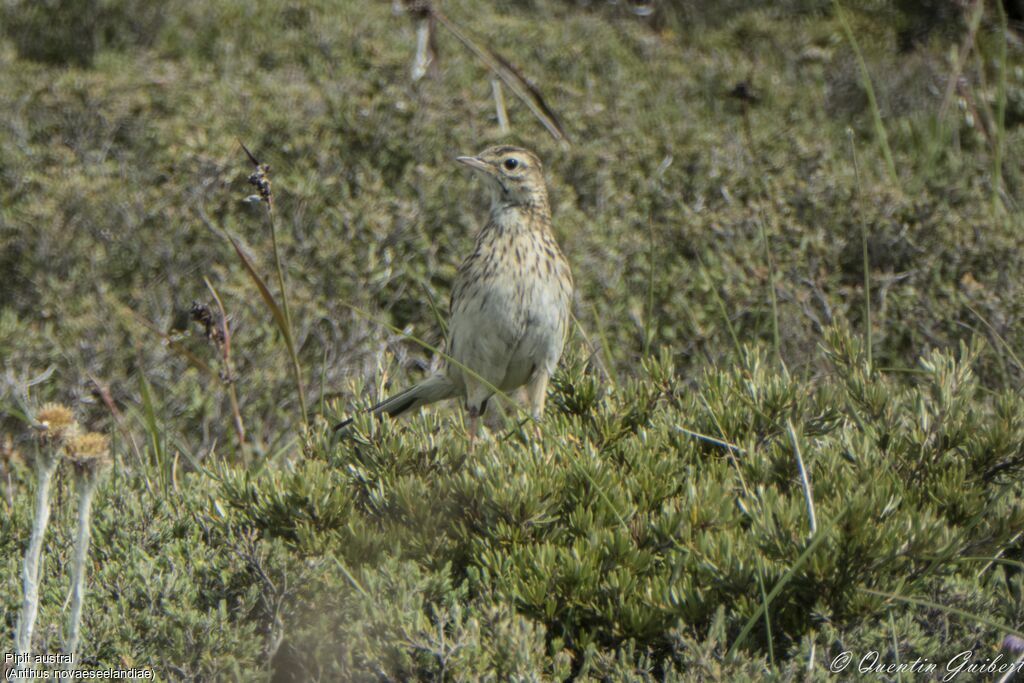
x=435, y=388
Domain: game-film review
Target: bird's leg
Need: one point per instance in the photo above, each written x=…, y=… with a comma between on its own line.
x=476, y=405
x=536, y=393
x=474, y=425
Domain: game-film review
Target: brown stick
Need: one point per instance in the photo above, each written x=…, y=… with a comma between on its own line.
x=229, y=377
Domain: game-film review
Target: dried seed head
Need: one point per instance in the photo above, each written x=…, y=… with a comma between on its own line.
x=55, y=423
x=202, y=314
x=260, y=178
x=89, y=453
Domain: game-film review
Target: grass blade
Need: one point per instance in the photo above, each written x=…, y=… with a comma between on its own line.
x=868, y=332
x=280, y=317
x=869, y=88
x=264, y=291
x=997, y=161
x=510, y=75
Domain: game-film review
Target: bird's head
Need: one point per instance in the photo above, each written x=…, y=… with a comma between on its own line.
x=514, y=175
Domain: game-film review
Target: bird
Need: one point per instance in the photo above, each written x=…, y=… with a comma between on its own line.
x=510, y=302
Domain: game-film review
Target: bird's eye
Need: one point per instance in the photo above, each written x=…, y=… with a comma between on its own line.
x=511, y=164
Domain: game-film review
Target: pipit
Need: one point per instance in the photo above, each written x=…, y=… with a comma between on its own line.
x=510, y=299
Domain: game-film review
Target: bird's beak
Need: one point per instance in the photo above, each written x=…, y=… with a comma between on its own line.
x=476, y=163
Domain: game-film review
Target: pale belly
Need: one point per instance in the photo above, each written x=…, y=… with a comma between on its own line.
x=506, y=330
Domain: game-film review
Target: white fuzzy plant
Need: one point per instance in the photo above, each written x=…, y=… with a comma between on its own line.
x=55, y=424
x=90, y=456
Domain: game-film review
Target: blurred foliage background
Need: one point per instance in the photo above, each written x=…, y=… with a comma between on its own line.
x=765, y=248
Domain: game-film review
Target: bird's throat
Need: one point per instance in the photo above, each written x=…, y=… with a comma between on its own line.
x=519, y=217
